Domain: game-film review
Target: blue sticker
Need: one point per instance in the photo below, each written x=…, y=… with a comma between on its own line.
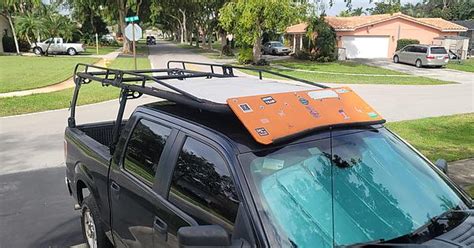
x=303, y=101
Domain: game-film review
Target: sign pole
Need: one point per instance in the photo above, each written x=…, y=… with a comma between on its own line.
x=97, y=43
x=134, y=47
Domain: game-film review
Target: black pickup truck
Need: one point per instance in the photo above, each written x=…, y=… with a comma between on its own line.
x=185, y=172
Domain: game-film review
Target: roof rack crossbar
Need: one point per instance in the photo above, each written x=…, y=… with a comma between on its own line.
x=228, y=70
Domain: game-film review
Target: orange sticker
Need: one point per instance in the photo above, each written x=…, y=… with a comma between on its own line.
x=277, y=116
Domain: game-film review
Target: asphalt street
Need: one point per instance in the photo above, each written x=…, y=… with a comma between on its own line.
x=37, y=211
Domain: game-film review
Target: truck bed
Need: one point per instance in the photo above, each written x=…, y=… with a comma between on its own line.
x=101, y=132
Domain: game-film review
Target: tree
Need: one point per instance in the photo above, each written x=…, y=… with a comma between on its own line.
x=322, y=37
x=389, y=7
x=29, y=26
x=352, y=12
x=248, y=19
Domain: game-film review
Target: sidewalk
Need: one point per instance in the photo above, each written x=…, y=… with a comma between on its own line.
x=68, y=83
x=462, y=172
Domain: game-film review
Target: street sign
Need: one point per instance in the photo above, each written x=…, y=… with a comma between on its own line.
x=131, y=18
x=129, y=32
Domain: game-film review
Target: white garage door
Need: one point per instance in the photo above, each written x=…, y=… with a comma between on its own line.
x=365, y=46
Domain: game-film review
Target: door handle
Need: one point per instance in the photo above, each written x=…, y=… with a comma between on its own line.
x=114, y=186
x=160, y=226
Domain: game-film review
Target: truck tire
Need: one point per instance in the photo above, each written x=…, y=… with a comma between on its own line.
x=71, y=51
x=92, y=226
x=38, y=51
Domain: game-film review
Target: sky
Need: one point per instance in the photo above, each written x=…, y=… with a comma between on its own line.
x=340, y=5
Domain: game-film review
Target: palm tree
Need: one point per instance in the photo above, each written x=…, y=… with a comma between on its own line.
x=29, y=26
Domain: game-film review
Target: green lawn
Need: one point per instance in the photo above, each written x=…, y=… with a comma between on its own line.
x=90, y=93
x=470, y=191
x=23, y=73
x=448, y=137
x=91, y=50
x=351, y=79
x=336, y=67
x=126, y=63
x=464, y=65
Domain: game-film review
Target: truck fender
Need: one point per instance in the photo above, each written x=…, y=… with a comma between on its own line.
x=83, y=183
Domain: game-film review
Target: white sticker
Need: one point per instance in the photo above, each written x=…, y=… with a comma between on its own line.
x=273, y=164
x=322, y=94
x=341, y=91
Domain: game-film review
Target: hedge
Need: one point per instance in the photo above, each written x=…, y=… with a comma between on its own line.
x=401, y=43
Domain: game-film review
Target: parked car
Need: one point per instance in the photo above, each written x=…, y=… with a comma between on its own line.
x=422, y=55
x=58, y=46
x=195, y=172
x=275, y=48
x=150, y=40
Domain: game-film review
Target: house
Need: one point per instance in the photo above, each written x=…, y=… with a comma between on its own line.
x=376, y=36
x=469, y=33
x=4, y=29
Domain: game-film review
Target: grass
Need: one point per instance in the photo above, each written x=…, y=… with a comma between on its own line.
x=91, y=93
x=91, y=50
x=337, y=67
x=465, y=65
x=23, y=73
x=351, y=79
x=470, y=191
x=448, y=137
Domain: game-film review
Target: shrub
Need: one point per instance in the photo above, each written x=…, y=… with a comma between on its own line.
x=405, y=42
x=245, y=56
x=9, y=45
x=302, y=54
x=322, y=40
x=227, y=51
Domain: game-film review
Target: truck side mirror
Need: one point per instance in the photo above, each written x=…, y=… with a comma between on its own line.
x=442, y=165
x=203, y=236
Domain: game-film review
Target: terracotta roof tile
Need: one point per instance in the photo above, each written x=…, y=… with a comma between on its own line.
x=355, y=22
x=298, y=28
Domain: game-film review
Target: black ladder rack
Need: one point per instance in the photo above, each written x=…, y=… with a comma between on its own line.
x=135, y=83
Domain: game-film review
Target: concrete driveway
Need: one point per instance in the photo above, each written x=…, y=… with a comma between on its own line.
x=436, y=73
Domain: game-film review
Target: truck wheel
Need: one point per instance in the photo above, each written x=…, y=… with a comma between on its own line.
x=38, y=51
x=92, y=227
x=71, y=51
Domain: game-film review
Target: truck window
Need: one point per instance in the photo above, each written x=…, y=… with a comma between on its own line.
x=144, y=150
x=202, y=185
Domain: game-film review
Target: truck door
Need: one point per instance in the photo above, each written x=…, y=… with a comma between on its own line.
x=200, y=185
x=132, y=185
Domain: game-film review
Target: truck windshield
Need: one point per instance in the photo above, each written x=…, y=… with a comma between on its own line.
x=346, y=189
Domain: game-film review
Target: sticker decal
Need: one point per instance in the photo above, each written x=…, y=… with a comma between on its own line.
x=264, y=121
x=268, y=100
x=245, y=108
x=322, y=94
x=312, y=112
x=342, y=91
x=273, y=164
x=303, y=101
x=341, y=112
x=261, y=131
x=373, y=115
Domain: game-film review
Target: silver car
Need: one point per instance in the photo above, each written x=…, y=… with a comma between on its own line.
x=422, y=55
x=275, y=48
